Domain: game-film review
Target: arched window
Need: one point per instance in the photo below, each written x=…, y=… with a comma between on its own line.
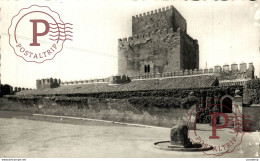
x=148, y=69
x=145, y=68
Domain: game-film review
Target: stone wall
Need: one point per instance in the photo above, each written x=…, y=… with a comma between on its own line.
x=112, y=80
x=160, y=50
x=106, y=109
x=124, y=110
x=167, y=99
x=236, y=71
x=222, y=73
x=164, y=18
x=75, y=82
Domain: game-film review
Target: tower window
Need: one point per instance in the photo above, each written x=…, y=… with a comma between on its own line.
x=147, y=68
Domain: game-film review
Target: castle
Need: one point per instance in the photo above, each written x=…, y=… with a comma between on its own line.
x=159, y=44
x=160, y=47
x=159, y=66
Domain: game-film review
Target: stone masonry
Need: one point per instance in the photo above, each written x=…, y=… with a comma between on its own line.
x=47, y=83
x=159, y=44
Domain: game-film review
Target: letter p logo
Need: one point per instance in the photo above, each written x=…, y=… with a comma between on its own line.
x=214, y=122
x=35, y=33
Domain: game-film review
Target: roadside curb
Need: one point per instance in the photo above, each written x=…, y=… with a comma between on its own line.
x=98, y=120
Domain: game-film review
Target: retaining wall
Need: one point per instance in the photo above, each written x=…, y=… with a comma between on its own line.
x=106, y=109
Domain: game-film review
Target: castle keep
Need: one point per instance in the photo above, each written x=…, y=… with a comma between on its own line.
x=159, y=44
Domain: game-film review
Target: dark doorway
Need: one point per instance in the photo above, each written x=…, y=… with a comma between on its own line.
x=227, y=105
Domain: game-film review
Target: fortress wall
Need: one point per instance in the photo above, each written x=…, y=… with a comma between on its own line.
x=104, y=109
x=156, y=107
x=226, y=72
x=160, y=50
x=111, y=80
x=222, y=73
x=142, y=38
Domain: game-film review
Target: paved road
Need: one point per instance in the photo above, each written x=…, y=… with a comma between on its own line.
x=24, y=138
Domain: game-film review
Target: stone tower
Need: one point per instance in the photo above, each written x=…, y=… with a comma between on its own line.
x=159, y=44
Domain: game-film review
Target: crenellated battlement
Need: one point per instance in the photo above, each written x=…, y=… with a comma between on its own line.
x=47, y=83
x=111, y=80
x=159, y=19
x=75, y=82
x=236, y=71
x=144, y=37
x=224, y=72
x=149, y=13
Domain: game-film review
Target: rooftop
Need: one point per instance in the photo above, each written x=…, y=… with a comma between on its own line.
x=180, y=82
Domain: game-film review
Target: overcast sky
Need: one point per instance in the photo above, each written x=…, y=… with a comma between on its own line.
x=227, y=32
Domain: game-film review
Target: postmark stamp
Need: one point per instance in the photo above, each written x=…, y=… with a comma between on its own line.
x=37, y=33
x=226, y=129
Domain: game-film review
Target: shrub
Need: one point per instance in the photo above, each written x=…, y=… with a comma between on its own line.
x=164, y=102
x=189, y=101
x=251, y=93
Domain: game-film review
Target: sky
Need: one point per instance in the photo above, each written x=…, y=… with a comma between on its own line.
x=227, y=32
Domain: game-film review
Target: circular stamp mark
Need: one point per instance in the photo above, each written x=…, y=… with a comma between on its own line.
x=226, y=130
x=37, y=33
